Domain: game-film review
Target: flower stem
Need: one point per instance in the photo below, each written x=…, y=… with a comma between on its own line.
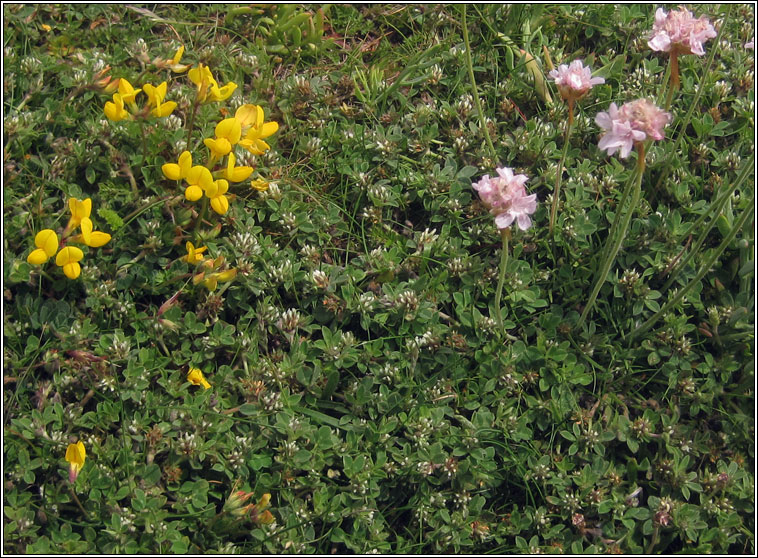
x=474, y=90
x=557, y=189
x=144, y=147
x=703, y=270
x=505, y=236
x=614, y=242
x=674, y=81
x=191, y=123
x=78, y=503
x=200, y=217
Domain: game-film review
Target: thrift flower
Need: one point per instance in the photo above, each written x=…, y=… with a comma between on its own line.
x=75, y=455
x=632, y=123
x=678, y=32
x=195, y=377
x=68, y=258
x=215, y=192
x=194, y=255
x=46, y=242
x=574, y=80
x=236, y=174
x=228, y=133
x=174, y=171
x=155, y=96
x=255, y=129
x=115, y=110
x=506, y=197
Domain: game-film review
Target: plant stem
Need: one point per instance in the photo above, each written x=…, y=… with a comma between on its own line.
x=191, y=122
x=200, y=217
x=748, y=211
x=78, y=503
x=559, y=177
x=715, y=210
x=474, y=90
x=505, y=236
x=674, y=82
x=614, y=242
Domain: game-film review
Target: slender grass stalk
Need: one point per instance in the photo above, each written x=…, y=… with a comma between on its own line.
x=715, y=211
x=559, y=177
x=505, y=235
x=614, y=243
x=474, y=89
x=715, y=255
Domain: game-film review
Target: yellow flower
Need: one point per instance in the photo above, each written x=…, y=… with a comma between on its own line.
x=195, y=377
x=252, y=119
x=80, y=212
x=236, y=174
x=46, y=242
x=215, y=192
x=115, y=110
x=228, y=133
x=127, y=92
x=174, y=171
x=175, y=66
x=202, y=77
x=259, y=184
x=207, y=87
x=93, y=239
x=211, y=280
x=155, y=96
x=68, y=258
x=75, y=455
x=199, y=179
x=194, y=255
x=222, y=93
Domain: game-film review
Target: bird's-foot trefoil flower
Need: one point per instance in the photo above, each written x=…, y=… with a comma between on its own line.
x=236, y=174
x=155, y=96
x=195, y=377
x=194, y=255
x=75, y=455
x=228, y=134
x=180, y=170
x=254, y=128
x=68, y=258
x=199, y=179
x=115, y=110
x=46, y=242
x=216, y=193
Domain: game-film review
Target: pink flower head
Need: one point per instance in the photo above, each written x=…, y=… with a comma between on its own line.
x=506, y=197
x=633, y=122
x=750, y=44
x=679, y=32
x=574, y=80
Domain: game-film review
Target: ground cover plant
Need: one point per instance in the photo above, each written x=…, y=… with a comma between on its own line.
x=375, y=278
